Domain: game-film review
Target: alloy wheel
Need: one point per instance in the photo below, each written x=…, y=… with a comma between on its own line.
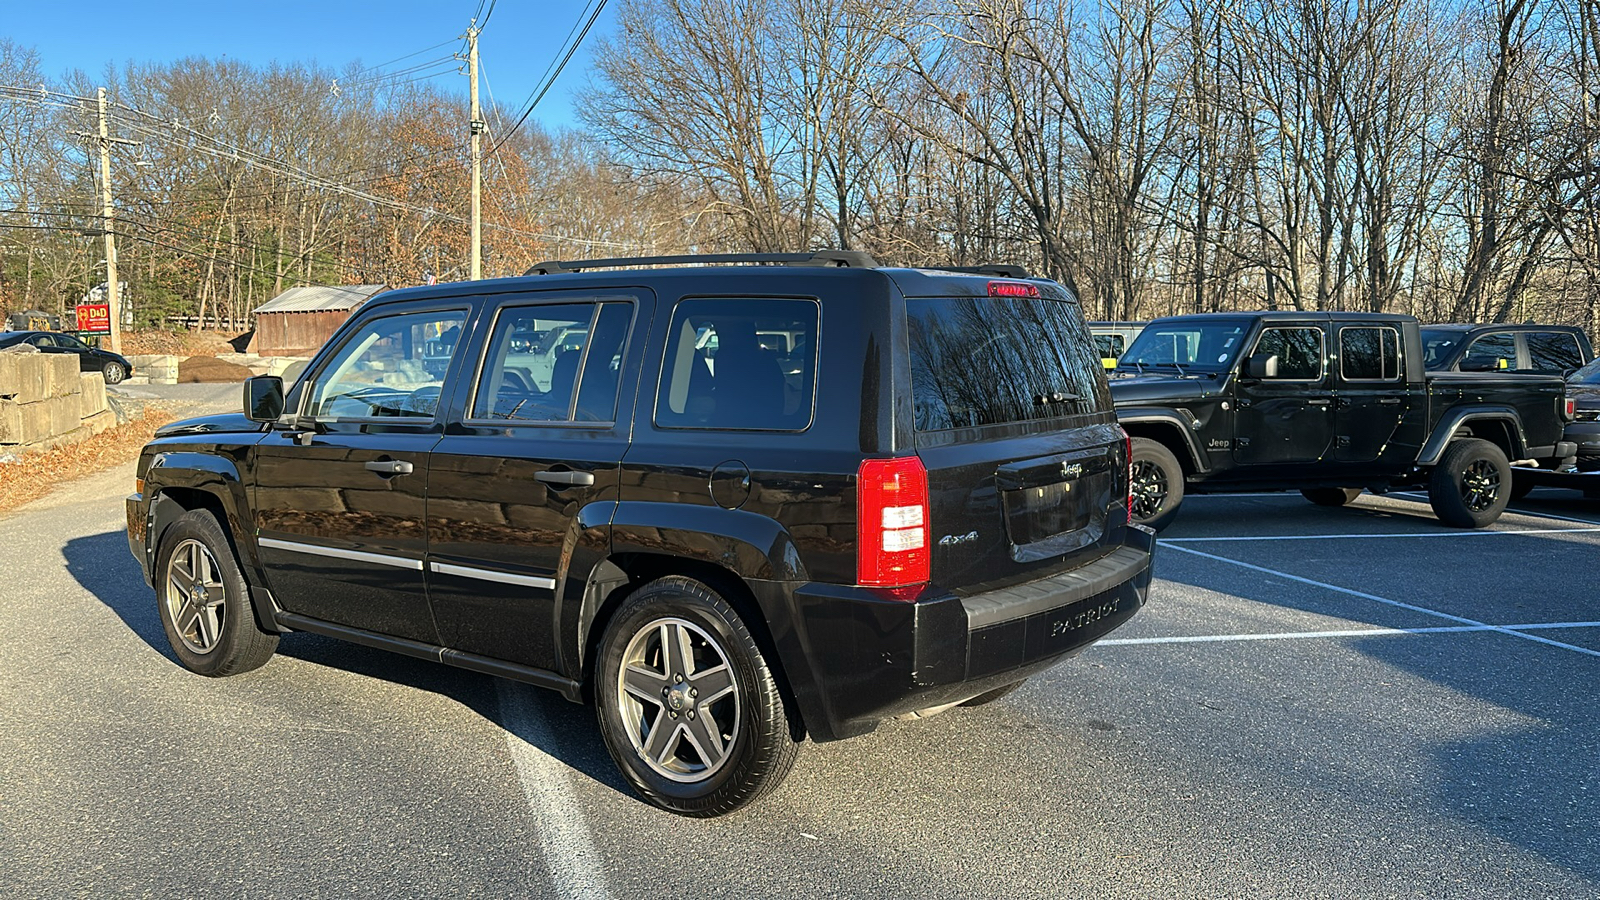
x=1149, y=489
x=194, y=595
x=1480, y=485
x=678, y=699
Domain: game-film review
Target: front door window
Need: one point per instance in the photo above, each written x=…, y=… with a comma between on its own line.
x=388, y=369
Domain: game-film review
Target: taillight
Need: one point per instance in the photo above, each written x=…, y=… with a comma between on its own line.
x=1127, y=443
x=892, y=529
x=1013, y=289
x=1569, y=408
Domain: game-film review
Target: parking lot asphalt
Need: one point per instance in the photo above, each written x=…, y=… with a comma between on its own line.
x=1352, y=702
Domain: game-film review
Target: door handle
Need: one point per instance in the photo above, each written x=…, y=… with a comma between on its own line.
x=1323, y=402
x=1390, y=401
x=390, y=467
x=565, y=478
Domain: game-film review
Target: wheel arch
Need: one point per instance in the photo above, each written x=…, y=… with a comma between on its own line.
x=1168, y=429
x=1501, y=426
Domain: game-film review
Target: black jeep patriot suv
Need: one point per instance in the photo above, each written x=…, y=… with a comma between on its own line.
x=732, y=505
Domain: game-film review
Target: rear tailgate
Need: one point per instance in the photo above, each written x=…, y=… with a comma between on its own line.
x=1027, y=469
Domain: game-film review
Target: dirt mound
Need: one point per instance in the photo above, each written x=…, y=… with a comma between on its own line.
x=177, y=343
x=209, y=370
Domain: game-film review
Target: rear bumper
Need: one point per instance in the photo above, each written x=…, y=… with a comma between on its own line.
x=866, y=658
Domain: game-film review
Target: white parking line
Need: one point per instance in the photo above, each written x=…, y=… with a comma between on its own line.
x=1335, y=537
x=1385, y=600
x=569, y=852
x=1347, y=632
x=1530, y=513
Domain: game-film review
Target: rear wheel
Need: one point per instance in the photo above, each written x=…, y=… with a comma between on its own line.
x=113, y=373
x=1157, y=484
x=1331, y=496
x=204, y=603
x=688, y=705
x=1471, y=485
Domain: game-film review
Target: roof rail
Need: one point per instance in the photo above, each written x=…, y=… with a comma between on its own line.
x=998, y=271
x=853, y=259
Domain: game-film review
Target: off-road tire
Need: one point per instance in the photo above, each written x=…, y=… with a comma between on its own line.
x=1158, y=484
x=991, y=696
x=113, y=373
x=239, y=645
x=1335, y=496
x=1471, y=485
x=761, y=750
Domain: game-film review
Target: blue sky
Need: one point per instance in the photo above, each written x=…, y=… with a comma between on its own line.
x=519, y=42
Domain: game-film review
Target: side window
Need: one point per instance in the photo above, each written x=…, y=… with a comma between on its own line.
x=1369, y=354
x=1109, y=345
x=43, y=340
x=1490, y=352
x=1299, y=352
x=739, y=364
x=554, y=363
x=1553, y=351
x=390, y=368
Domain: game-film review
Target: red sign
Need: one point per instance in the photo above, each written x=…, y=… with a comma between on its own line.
x=94, y=318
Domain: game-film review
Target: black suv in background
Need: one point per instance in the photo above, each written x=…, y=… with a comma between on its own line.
x=733, y=506
x=1526, y=349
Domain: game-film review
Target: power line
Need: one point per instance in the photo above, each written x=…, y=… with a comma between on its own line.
x=540, y=91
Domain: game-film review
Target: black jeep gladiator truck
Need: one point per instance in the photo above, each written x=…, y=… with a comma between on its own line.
x=1327, y=403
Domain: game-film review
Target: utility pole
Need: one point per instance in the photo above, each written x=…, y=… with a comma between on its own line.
x=107, y=221
x=477, y=127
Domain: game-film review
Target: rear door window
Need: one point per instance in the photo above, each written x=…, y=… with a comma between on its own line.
x=1553, y=351
x=740, y=364
x=995, y=360
x=553, y=363
x=1369, y=354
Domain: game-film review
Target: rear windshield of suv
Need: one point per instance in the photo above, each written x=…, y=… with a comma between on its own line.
x=994, y=360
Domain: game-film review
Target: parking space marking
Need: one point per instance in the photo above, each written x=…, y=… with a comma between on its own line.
x=569, y=852
x=1530, y=513
x=1341, y=633
x=1336, y=537
x=1385, y=600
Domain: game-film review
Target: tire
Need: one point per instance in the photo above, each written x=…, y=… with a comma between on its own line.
x=752, y=725
x=1471, y=485
x=220, y=636
x=1157, y=484
x=988, y=697
x=113, y=373
x=1331, y=496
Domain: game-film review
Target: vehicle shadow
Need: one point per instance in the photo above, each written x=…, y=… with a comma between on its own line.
x=565, y=731
x=1526, y=778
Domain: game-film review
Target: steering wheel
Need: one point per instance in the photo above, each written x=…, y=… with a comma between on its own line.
x=424, y=399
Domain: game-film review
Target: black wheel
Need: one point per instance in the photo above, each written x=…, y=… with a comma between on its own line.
x=988, y=697
x=1157, y=486
x=114, y=373
x=1521, y=485
x=204, y=603
x=1471, y=485
x=688, y=705
x=1331, y=496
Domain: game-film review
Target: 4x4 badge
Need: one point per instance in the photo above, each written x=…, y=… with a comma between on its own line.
x=950, y=540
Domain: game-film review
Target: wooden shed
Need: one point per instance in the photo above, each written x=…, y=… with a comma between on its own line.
x=298, y=321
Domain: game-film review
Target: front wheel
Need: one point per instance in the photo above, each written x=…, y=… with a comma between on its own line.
x=688, y=705
x=1156, y=484
x=204, y=603
x=113, y=373
x=1471, y=485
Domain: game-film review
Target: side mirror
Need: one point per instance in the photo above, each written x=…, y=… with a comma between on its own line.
x=1262, y=365
x=263, y=398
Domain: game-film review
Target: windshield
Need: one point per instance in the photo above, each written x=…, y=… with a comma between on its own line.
x=1438, y=344
x=1208, y=345
x=1589, y=374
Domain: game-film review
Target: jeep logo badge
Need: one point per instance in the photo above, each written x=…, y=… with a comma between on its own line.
x=1071, y=470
